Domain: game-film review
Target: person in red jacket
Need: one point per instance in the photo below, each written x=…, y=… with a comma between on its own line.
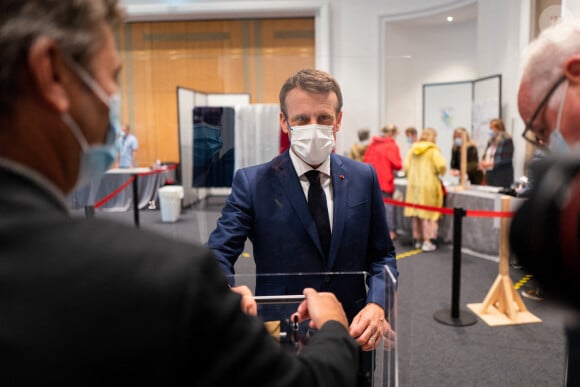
x=384, y=155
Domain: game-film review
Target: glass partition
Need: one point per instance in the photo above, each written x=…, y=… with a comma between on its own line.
x=279, y=294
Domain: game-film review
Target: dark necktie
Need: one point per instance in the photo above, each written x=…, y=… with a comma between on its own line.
x=319, y=209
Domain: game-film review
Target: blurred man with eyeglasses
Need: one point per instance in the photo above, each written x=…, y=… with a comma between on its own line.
x=549, y=93
x=545, y=231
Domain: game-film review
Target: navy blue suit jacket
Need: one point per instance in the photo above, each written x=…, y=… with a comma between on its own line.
x=268, y=206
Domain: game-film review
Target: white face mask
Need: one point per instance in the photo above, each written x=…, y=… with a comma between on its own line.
x=312, y=143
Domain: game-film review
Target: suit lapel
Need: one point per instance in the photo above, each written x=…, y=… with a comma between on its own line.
x=290, y=187
x=339, y=189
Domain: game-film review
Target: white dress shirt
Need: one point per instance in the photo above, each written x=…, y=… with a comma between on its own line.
x=301, y=168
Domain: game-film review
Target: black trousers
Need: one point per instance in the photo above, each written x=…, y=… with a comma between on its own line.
x=573, y=355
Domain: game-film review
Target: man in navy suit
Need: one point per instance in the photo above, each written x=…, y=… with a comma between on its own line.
x=269, y=205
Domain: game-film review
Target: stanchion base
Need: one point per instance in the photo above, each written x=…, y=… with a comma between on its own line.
x=464, y=319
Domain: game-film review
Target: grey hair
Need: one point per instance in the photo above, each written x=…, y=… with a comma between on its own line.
x=75, y=25
x=313, y=81
x=544, y=58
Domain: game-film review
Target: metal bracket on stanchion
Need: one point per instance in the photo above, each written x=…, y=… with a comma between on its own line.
x=456, y=317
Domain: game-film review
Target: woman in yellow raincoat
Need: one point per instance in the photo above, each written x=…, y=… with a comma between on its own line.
x=423, y=166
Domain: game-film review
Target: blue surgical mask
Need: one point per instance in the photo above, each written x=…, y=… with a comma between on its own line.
x=409, y=140
x=557, y=142
x=457, y=141
x=96, y=159
x=491, y=133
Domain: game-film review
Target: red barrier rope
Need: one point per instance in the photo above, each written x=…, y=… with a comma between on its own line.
x=449, y=211
x=443, y=210
x=114, y=193
x=489, y=214
x=130, y=180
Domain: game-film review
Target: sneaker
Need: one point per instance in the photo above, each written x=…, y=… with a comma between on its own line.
x=428, y=246
x=417, y=244
x=533, y=294
x=516, y=265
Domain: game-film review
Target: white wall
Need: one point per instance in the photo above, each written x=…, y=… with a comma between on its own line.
x=571, y=8
x=416, y=55
x=500, y=45
x=356, y=56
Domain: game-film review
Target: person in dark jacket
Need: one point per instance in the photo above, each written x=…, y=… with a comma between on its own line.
x=497, y=162
x=474, y=174
x=92, y=302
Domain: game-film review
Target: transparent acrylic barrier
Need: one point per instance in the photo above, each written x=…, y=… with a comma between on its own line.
x=279, y=294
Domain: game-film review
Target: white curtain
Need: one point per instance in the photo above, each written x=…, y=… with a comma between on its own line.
x=257, y=134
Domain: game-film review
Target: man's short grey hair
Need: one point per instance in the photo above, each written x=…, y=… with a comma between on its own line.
x=544, y=58
x=76, y=26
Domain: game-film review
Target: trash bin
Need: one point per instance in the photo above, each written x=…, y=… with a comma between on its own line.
x=170, y=202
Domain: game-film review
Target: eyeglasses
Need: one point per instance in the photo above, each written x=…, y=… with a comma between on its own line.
x=529, y=134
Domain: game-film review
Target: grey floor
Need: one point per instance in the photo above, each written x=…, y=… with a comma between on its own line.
x=430, y=353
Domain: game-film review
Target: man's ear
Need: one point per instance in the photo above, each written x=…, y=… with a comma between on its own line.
x=47, y=69
x=338, y=120
x=572, y=69
x=283, y=123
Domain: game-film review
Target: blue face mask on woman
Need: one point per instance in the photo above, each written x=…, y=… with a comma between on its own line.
x=96, y=159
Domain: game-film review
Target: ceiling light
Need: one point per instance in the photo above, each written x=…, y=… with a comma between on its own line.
x=449, y=19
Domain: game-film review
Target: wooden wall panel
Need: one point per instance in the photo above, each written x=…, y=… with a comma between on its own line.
x=220, y=56
x=287, y=46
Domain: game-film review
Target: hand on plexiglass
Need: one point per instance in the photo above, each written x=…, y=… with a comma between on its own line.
x=368, y=326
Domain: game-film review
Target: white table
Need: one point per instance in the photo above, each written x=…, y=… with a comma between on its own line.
x=480, y=234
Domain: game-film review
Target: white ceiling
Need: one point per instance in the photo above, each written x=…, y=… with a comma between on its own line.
x=460, y=15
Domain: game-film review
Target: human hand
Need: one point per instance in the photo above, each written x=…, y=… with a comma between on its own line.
x=389, y=336
x=485, y=165
x=367, y=326
x=320, y=308
x=248, y=304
